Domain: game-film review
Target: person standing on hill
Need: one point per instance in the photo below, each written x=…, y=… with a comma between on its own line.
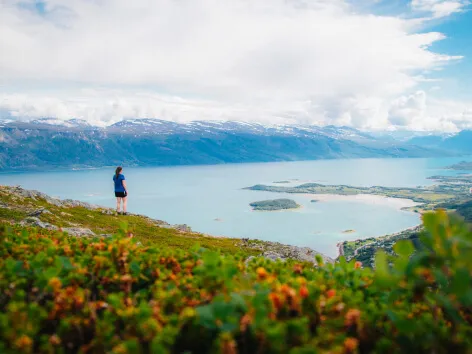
x=121, y=192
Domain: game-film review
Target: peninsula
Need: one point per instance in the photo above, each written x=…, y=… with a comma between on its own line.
x=463, y=165
x=452, y=193
x=447, y=189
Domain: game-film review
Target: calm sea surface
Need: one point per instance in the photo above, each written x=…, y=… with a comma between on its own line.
x=210, y=199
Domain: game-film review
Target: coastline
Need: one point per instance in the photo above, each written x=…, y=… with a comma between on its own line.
x=401, y=204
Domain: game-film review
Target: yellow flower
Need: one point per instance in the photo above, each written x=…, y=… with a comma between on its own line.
x=55, y=283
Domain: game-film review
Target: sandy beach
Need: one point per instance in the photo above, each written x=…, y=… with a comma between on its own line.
x=397, y=203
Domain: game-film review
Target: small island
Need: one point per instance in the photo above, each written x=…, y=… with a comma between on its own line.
x=275, y=204
x=350, y=231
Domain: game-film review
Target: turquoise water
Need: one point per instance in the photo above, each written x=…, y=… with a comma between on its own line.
x=197, y=195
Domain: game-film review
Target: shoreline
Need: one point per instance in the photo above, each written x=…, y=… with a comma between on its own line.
x=400, y=204
x=397, y=203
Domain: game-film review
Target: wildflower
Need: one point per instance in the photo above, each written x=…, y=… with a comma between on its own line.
x=245, y=322
x=352, y=317
x=351, y=344
x=340, y=307
x=23, y=342
x=357, y=265
x=331, y=293
x=261, y=273
x=54, y=340
x=55, y=283
x=298, y=268
x=276, y=300
x=303, y=292
x=301, y=280
x=229, y=347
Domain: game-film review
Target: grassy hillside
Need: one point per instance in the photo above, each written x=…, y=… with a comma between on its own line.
x=63, y=294
x=35, y=209
x=105, y=221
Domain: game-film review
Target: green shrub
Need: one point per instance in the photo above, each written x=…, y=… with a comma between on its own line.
x=62, y=294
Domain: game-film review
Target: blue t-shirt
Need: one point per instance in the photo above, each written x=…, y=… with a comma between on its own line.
x=119, y=183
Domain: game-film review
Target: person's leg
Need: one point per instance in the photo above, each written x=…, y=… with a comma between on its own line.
x=118, y=204
x=125, y=199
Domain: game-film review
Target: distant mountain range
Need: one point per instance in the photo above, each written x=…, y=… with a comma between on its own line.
x=51, y=143
x=460, y=142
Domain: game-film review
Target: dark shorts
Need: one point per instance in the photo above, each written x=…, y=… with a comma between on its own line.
x=120, y=194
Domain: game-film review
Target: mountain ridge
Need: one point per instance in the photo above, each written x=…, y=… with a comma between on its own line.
x=50, y=143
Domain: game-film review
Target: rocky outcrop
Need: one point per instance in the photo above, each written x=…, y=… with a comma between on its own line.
x=182, y=227
x=38, y=212
x=34, y=221
x=78, y=231
x=66, y=203
x=276, y=251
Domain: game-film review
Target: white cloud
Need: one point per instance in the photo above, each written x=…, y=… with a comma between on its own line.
x=406, y=109
x=301, y=61
x=440, y=8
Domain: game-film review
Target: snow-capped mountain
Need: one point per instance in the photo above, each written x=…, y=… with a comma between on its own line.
x=407, y=135
x=69, y=123
x=150, y=126
x=203, y=128
x=151, y=142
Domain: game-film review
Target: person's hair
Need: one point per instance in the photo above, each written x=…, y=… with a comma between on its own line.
x=118, y=170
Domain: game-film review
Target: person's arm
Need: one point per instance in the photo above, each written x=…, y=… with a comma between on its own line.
x=124, y=186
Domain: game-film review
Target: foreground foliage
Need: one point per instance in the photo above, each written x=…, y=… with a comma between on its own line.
x=90, y=295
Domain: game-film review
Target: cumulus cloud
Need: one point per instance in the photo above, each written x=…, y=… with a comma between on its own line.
x=440, y=8
x=312, y=62
x=406, y=109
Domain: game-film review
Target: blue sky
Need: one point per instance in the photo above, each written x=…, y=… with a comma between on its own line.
x=370, y=64
x=457, y=78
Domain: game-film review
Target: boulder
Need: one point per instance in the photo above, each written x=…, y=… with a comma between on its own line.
x=270, y=255
x=182, y=227
x=76, y=203
x=36, y=222
x=78, y=231
x=38, y=212
x=106, y=235
x=273, y=256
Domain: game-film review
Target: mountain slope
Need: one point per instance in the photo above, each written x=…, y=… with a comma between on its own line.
x=30, y=208
x=46, y=143
x=460, y=142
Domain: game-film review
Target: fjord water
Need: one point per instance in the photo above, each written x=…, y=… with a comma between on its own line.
x=210, y=199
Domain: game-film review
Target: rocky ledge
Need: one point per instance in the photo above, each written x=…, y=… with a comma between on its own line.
x=33, y=214
x=275, y=251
